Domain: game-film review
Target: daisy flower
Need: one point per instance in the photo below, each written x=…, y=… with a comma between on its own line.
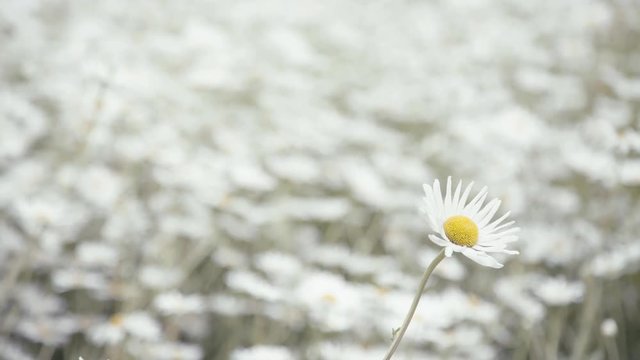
x=467, y=227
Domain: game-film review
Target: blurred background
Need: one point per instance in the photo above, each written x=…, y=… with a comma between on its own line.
x=240, y=180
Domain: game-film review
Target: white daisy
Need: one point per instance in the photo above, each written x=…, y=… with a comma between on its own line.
x=467, y=227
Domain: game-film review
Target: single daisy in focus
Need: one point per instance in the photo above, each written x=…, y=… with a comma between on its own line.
x=468, y=227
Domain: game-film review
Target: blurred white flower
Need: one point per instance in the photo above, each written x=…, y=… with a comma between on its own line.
x=127, y=222
x=309, y=209
x=35, y=301
x=609, y=327
x=22, y=124
x=438, y=312
x=464, y=340
x=165, y=350
x=251, y=176
x=252, y=284
x=96, y=254
x=332, y=302
x=262, y=352
x=68, y=279
x=106, y=334
x=297, y=168
x=623, y=259
x=48, y=330
x=628, y=141
x=138, y=324
x=51, y=210
x=513, y=293
x=226, y=256
x=100, y=186
x=176, y=303
x=160, y=278
x=558, y=291
x=280, y=267
x=468, y=227
x=13, y=351
x=395, y=279
x=228, y=305
x=353, y=351
x=630, y=172
x=351, y=262
x=365, y=183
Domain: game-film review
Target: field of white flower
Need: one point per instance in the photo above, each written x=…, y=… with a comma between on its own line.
x=242, y=179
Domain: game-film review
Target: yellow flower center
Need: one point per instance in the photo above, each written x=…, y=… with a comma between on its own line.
x=116, y=319
x=330, y=298
x=461, y=230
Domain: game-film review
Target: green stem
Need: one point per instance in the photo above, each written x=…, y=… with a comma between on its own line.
x=407, y=320
x=611, y=347
x=589, y=313
x=557, y=323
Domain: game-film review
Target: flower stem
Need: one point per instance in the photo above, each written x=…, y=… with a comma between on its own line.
x=400, y=333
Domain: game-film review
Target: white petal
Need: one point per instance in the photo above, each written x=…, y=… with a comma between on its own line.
x=437, y=197
x=473, y=210
x=428, y=193
x=481, y=258
x=448, y=251
x=430, y=218
x=488, y=241
x=508, y=223
x=430, y=208
x=496, y=249
x=476, y=201
x=447, y=198
x=438, y=241
x=432, y=223
x=493, y=225
x=456, y=198
x=453, y=246
x=487, y=213
x=494, y=236
x=463, y=199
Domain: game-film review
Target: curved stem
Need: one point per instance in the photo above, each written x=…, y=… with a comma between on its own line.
x=400, y=333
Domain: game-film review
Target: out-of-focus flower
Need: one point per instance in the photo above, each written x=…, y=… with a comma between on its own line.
x=296, y=168
x=332, y=302
x=280, y=267
x=254, y=285
x=228, y=305
x=160, y=278
x=100, y=186
x=165, y=350
x=263, y=352
x=48, y=330
x=35, y=301
x=624, y=259
x=558, y=291
x=67, y=279
x=13, y=351
x=139, y=325
x=468, y=227
x=338, y=351
x=96, y=254
x=513, y=293
x=175, y=303
x=609, y=328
